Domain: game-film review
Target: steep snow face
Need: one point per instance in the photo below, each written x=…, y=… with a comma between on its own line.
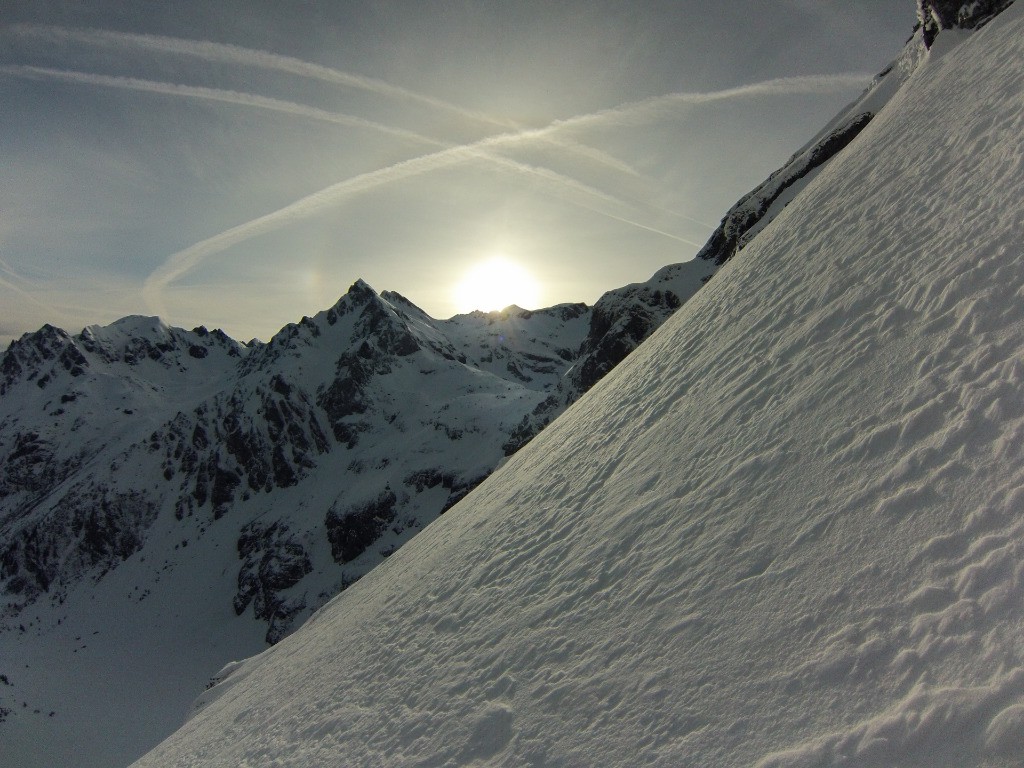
x=785, y=532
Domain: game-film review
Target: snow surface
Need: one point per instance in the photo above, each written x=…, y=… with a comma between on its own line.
x=787, y=531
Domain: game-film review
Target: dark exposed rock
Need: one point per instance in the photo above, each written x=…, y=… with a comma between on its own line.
x=937, y=15
x=227, y=444
x=273, y=561
x=103, y=528
x=29, y=357
x=351, y=530
x=729, y=237
x=430, y=478
x=619, y=323
x=461, y=489
x=346, y=396
x=32, y=467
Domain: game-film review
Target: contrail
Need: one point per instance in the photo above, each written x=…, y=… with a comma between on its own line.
x=258, y=102
x=638, y=112
x=638, y=225
x=299, y=110
x=233, y=54
x=291, y=108
x=183, y=261
x=215, y=94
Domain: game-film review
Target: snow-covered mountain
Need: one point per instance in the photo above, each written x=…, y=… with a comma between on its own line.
x=786, y=531
x=223, y=482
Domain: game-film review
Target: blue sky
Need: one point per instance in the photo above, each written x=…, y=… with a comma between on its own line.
x=239, y=165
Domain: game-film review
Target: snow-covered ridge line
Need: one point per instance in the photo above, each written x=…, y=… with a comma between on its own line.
x=758, y=207
x=289, y=468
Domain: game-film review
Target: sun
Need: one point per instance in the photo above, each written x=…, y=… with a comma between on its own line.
x=495, y=284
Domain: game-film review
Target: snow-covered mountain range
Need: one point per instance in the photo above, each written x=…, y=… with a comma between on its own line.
x=303, y=462
x=171, y=500
x=382, y=416
x=786, y=531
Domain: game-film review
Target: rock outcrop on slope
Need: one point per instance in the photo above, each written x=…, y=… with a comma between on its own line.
x=755, y=210
x=937, y=15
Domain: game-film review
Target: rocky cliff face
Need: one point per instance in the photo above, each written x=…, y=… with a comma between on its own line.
x=755, y=209
x=937, y=15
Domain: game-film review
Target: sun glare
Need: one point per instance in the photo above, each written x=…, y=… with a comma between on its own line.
x=495, y=284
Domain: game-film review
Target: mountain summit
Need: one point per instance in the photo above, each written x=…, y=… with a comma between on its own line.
x=786, y=531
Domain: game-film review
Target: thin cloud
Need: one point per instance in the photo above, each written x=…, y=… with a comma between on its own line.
x=214, y=94
x=184, y=261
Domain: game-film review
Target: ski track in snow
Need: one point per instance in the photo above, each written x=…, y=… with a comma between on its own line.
x=786, y=532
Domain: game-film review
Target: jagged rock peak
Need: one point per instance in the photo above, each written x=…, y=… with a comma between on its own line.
x=936, y=15
x=361, y=290
x=40, y=339
x=394, y=297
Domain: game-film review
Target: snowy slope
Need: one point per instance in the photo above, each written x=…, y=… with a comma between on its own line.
x=787, y=531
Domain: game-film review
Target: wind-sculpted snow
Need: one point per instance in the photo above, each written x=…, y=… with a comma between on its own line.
x=786, y=531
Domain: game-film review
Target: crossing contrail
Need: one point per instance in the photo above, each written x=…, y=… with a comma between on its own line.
x=215, y=94
x=185, y=260
x=181, y=262
x=298, y=110
x=293, y=109
x=233, y=54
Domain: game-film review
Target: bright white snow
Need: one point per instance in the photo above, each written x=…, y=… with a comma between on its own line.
x=786, y=532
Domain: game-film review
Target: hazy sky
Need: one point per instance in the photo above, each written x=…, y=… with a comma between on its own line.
x=240, y=164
